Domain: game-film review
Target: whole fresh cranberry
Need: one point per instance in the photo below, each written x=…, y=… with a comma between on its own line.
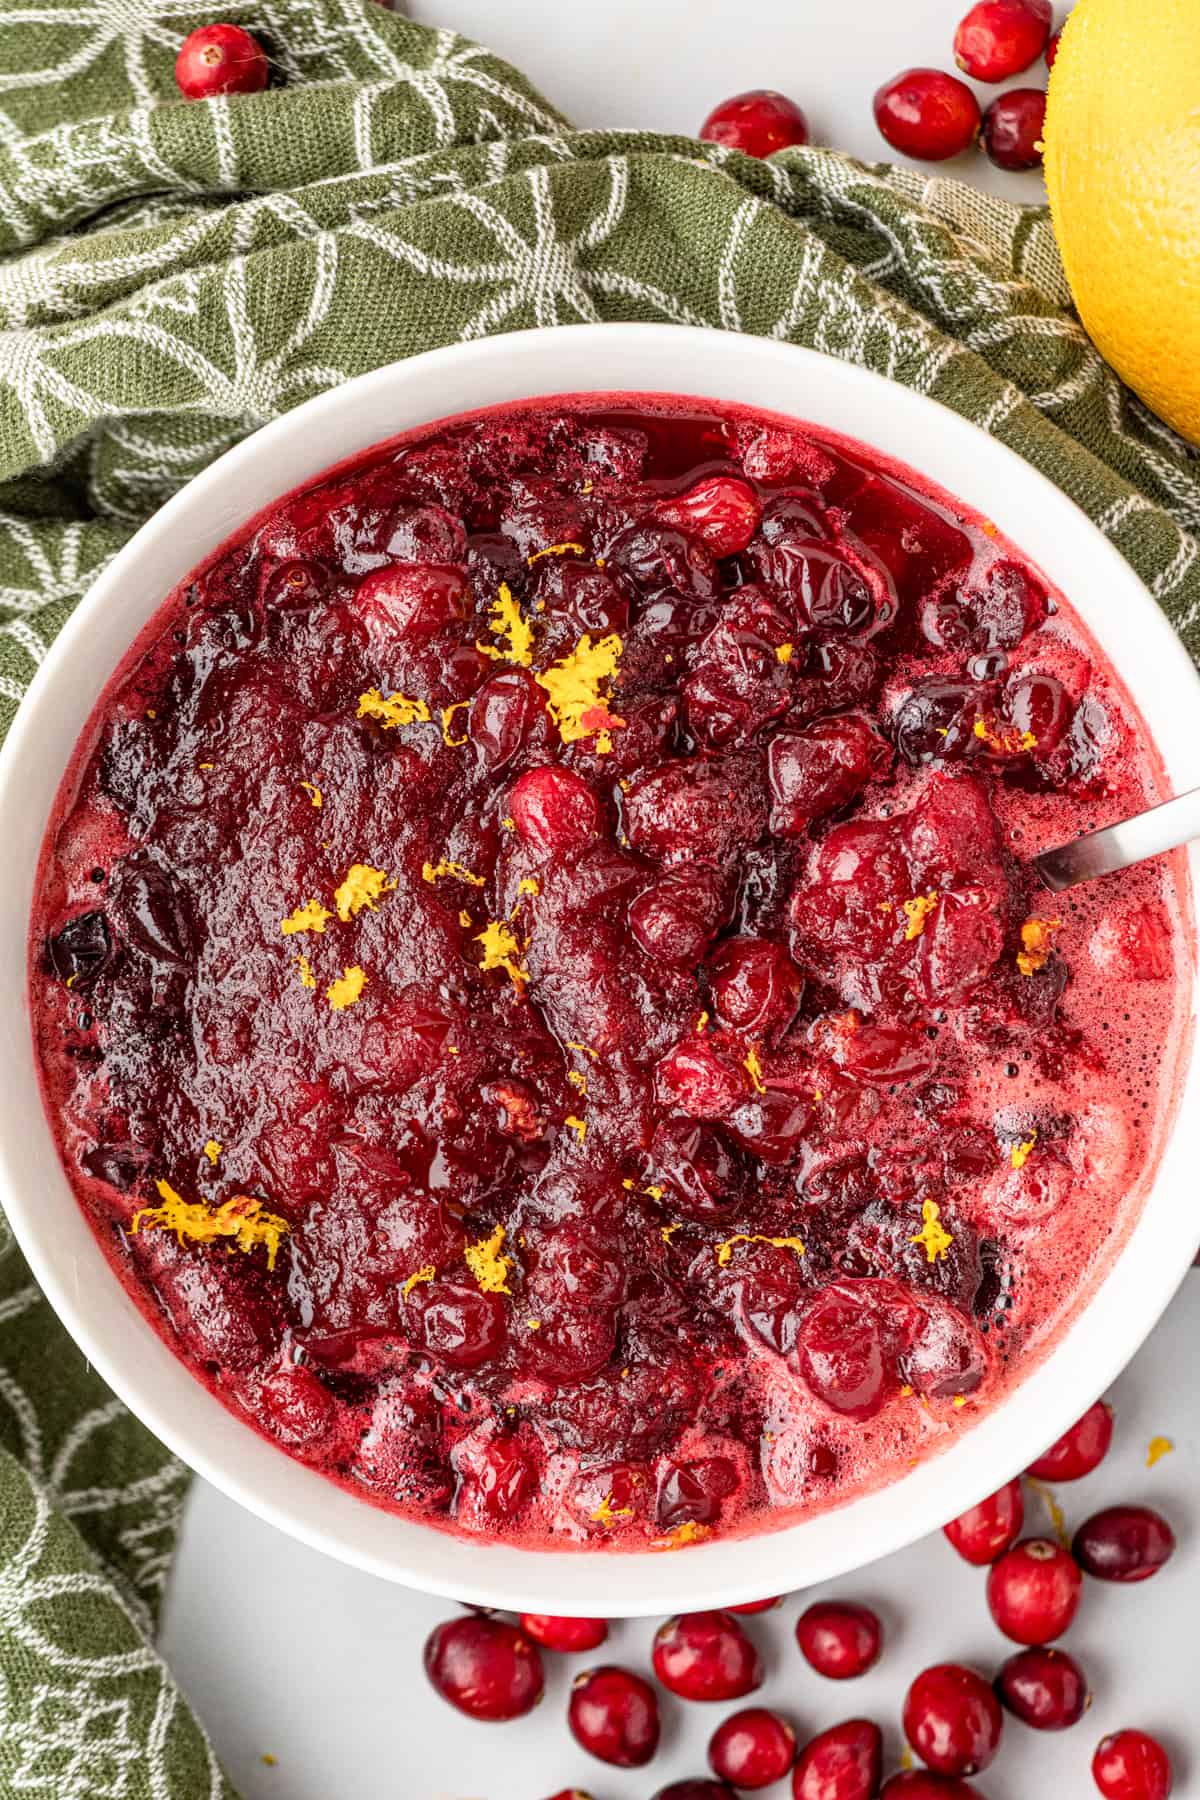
x=755, y=986
x=484, y=1667
x=999, y=38
x=843, y=1763
x=839, y=1639
x=1044, y=1688
x=953, y=1720
x=1033, y=1591
x=752, y=1748
x=1078, y=1451
x=1131, y=1765
x=758, y=122
x=986, y=1531
x=706, y=1656
x=919, y=1784
x=1124, y=1543
x=566, y=1635
x=613, y=1713
x=554, y=808
x=1013, y=126
x=927, y=114
x=220, y=59
x=695, y=1790
x=757, y=1606
x=722, y=510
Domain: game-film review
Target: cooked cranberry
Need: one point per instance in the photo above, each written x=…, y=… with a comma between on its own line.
x=986, y=1531
x=81, y=950
x=220, y=59
x=720, y=510
x=695, y=1164
x=484, y=1667
x=920, y=1784
x=566, y=1635
x=839, y=1639
x=660, y=559
x=692, y=1492
x=614, y=1715
x=927, y=114
x=1038, y=704
x=999, y=38
x=410, y=601
x=1131, y=1765
x=1012, y=128
x=297, y=1404
x=1124, y=1543
x=843, y=1763
x=1080, y=1450
x=817, y=771
x=698, y=809
x=706, y=1656
x=553, y=808
x=1045, y=1688
x=1033, y=1591
x=758, y=122
x=675, y=920
x=828, y=590
x=696, y=1080
x=757, y=1606
x=752, y=1748
x=459, y=1323
x=755, y=986
x=503, y=714
x=506, y=1478
x=952, y=1719
x=842, y=1357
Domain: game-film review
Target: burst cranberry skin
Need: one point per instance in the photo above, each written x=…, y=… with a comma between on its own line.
x=920, y=1784
x=722, y=511
x=843, y=1763
x=220, y=59
x=758, y=122
x=1046, y=1689
x=1131, y=1765
x=614, y=1716
x=484, y=1667
x=554, y=808
x=706, y=1656
x=953, y=1720
x=999, y=38
x=1078, y=1451
x=1012, y=130
x=757, y=1606
x=562, y=1634
x=752, y=1748
x=927, y=114
x=840, y=1640
x=1033, y=1591
x=986, y=1531
x=1124, y=1543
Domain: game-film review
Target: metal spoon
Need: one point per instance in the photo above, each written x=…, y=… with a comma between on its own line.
x=1148, y=833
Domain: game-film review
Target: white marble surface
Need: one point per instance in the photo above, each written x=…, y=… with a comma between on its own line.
x=289, y=1654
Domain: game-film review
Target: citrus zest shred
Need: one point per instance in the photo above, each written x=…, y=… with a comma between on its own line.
x=577, y=1125
x=933, y=1237
x=724, y=1251
x=690, y=1532
x=363, y=886
x=606, y=1513
x=346, y=989
x=426, y=1272
x=784, y=652
x=959, y=1400
x=578, y=1079
x=509, y=823
x=395, y=710
x=1019, y=1154
x=555, y=550
x=506, y=620
x=309, y=917
x=667, y=1232
x=753, y=1069
x=487, y=1265
x=576, y=703
x=433, y=872
x=307, y=978
x=654, y=1191
x=241, y=1218
x=465, y=919
x=627, y=1185
x=916, y=911
x=1037, y=941
x=529, y=884
x=702, y=1021
x=1004, y=738
x=314, y=793
x=501, y=951
x=533, y=1324
x=213, y=1150
x=585, y=1050
x=447, y=713
x=1157, y=1448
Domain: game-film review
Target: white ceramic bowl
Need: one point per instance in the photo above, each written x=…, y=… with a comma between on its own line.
x=48, y=1222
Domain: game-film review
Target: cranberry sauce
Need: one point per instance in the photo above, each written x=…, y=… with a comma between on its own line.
x=537, y=989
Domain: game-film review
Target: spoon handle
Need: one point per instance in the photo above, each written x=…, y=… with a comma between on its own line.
x=1149, y=833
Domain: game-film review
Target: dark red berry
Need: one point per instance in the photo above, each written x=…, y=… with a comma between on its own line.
x=757, y=1606
x=1043, y=1688
x=1078, y=1451
x=919, y=1784
x=953, y=1720
x=1131, y=1765
x=986, y=1531
x=927, y=114
x=614, y=1715
x=1013, y=127
x=220, y=59
x=567, y=1635
x=1033, y=1591
x=484, y=1667
x=1052, y=48
x=752, y=1748
x=723, y=511
x=554, y=808
x=839, y=1639
x=695, y=1790
x=1124, y=1543
x=706, y=1656
x=758, y=122
x=999, y=38
x=843, y=1763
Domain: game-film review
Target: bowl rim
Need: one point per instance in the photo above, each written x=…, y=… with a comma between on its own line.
x=110, y=1330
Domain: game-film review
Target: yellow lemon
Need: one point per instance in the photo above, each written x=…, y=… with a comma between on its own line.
x=1123, y=174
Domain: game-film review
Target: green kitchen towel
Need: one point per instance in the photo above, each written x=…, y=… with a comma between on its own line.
x=176, y=273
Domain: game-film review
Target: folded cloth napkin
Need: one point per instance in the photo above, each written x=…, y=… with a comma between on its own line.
x=174, y=273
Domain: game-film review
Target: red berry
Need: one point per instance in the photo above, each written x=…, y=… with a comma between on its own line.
x=1131, y=1765
x=484, y=1667
x=1013, y=126
x=758, y=122
x=570, y=1794
x=986, y=1531
x=999, y=38
x=1044, y=1688
x=757, y=1606
x=694, y=1790
x=220, y=59
x=614, y=1715
x=554, y=808
x=919, y=1784
x=927, y=114
x=843, y=1763
x=1033, y=1591
x=1124, y=1543
x=752, y=1748
x=567, y=1635
x=1078, y=1451
x=722, y=511
x=839, y=1639
x=952, y=1719
x=706, y=1656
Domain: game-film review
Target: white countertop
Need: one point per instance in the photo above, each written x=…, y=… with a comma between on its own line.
x=286, y=1653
